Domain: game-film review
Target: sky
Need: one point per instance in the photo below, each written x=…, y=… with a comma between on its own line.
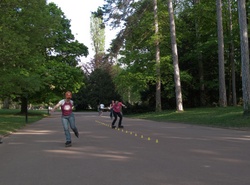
x=79, y=12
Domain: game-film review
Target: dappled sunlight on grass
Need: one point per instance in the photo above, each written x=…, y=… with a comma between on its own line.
x=12, y=120
x=217, y=116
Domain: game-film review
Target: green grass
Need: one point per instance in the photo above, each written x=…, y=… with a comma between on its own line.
x=12, y=120
x=228, y=117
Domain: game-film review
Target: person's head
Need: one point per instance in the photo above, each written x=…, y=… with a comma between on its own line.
x=68, y=95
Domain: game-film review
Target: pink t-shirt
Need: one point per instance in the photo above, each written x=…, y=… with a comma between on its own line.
x=117, y=107
x=66, y=107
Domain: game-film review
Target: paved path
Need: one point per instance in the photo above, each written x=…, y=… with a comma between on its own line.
x=143, y=153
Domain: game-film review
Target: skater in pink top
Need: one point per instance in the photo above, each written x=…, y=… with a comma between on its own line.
x=117, y=112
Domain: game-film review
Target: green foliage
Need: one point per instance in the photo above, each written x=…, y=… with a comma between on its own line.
x=99, y=89
x=22, y=42
x=65, y=77
x=38, y=55
x=129, y=85
x=138, y=54
x=196, y=32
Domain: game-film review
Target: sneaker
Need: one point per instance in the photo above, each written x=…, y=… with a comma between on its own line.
x=68, y=143
x=77, y=134
x=113, y=126
x=120, y=126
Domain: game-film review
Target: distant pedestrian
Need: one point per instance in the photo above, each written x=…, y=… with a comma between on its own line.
x=101, y=108
x=117, y=112
x=68, y=118
x=111, y=108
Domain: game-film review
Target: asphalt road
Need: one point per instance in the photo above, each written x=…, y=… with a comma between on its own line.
x=143, y=153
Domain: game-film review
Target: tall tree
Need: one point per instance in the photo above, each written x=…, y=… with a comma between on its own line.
x=157, y=59
x=178, y=93
x=222, y=85
x=35, y=38
x=24, y=26
x=97, y=33
x=232, y=98
x=197, y=41
x=244, y=56
x=62, y=57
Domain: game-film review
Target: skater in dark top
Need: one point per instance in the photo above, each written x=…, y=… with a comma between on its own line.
x=68, y=118
x=117, y=112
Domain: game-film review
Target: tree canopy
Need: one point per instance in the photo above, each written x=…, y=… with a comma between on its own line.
x=39, y=54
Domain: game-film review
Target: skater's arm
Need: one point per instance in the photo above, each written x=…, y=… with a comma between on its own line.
x=124, y=105
x=56, y=106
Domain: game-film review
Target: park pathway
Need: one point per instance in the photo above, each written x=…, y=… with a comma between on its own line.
x=143, y=153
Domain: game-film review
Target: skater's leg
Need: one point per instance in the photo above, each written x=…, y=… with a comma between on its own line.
x=72, y=124
x=66, y=128
x=115, y=118
x=120, y=119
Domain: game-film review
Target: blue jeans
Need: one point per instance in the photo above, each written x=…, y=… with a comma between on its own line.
x=66, y=122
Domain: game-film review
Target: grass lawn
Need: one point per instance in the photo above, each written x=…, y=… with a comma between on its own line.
x=11, y=120
x=228, y=117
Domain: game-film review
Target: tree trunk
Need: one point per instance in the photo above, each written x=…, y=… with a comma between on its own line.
x=222, y=86
x=244, y=56
x=248, y=15
x=177, y=80
x=6, y=103
x=157, y=59
x=231, y=55
x=24, y=105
